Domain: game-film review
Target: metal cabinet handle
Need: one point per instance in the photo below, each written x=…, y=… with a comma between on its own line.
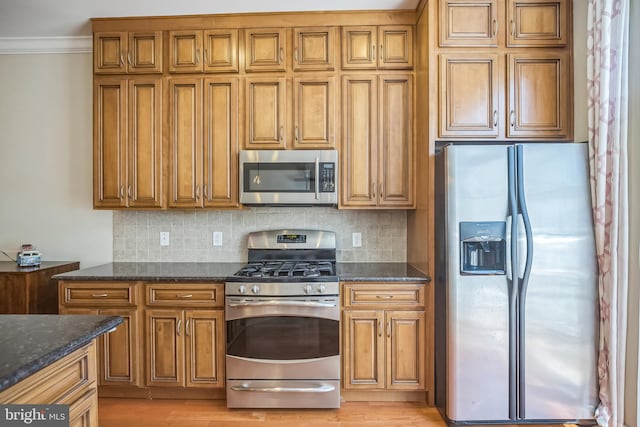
x=295, y=54
x=513, y=28
x=99, y=295
x=373, y=189
x=206, y=61
x=281, y=54
x=121, y=59
x=388, y=328
x=197, y=192
x=206, y=192
x=381, y=191
x=129, y=191
x=384, y=296
x=185, y=296
x=281, y=134
x=373, y=52
x=186, y=328
x=379, y=328
x=178, y=327
x=197, y=56
x=129, y=58
x=122, y=191
x=296, y=133
x=513, y=118
x=495, y=117
x=495, y=27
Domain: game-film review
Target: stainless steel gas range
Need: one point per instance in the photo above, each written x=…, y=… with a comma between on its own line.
x=282, y=313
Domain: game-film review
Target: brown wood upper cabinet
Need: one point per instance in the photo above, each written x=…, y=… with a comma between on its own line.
x=378, y=143
x=127, y=52
x=127, y=142
x=535, y=23
x=203, y=158
x=265, y=116
x=209, y=51
x=382, y=47
x=314, y=48
x=265, y=49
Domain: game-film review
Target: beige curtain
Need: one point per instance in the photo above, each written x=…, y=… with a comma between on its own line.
x=607, y=65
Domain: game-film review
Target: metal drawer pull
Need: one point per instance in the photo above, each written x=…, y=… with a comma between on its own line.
x=384, y=296
x=111, y=330
x=379, y=328
x=274, y=303
x=99, y=295
x=178, y=327
x=186, y=328
x=185, y=296
x=316, y=389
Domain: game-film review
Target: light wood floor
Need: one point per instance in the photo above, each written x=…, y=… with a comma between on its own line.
x=114, y=412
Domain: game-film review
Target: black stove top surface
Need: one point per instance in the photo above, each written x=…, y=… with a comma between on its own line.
x=294, y=270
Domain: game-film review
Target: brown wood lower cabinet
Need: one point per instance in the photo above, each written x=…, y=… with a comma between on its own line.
x=384, y=337
x=185, y=348
x=68, y=381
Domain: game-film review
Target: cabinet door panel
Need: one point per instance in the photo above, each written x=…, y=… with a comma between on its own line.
x=359, y=47
x=109, y=50
x=118, y=357
x=395, y=168
x=359, y=153
x=185, y=51
x=165, y=348
x=205, y=348
x=538, y=96
x=469, y=95
x=109, y=151
x=220, y=51
x=145, y=143
x=185, y=103
x=537, y=22
x=145, y=52
x=313, y=48
x=265, y=116
x=364, y=349
x=314, y=109
x=396, y=47
x=405, y=350
x=464, y=23
x=265, y=49
x=221, y=142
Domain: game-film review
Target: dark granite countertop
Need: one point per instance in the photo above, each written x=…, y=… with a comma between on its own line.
x=12, y=267
x=32, y=342
x=218, y=271
x=379, y=272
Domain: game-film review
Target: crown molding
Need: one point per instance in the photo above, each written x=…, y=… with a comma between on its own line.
x=44, y=45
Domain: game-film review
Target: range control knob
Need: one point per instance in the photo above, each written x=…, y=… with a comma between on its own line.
x=255, y=289
x=321, y=289
x=242, y=289
x=308, y=289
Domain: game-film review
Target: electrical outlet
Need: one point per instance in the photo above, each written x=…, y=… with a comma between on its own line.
x=217, y=238
x=164, y=238
x=356, y=240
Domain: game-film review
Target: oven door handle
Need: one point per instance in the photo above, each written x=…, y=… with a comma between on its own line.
x=275, y=303
x=317, y=178
x=321, y=388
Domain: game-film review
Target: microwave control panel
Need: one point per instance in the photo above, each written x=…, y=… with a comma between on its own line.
x=327, y=177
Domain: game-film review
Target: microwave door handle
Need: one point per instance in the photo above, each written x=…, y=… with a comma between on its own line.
x=317, y=178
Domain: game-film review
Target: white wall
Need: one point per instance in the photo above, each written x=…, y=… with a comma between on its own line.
x=46, y=159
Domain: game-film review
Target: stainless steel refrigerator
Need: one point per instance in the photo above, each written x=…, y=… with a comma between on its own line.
x=516, y=284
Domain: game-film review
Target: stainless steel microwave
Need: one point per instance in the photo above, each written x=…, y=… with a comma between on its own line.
x=289, y=177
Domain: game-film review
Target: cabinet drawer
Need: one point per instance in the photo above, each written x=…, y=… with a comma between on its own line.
x=384, y=295
x=187, y=295
x=103, y=294
x=58, y=383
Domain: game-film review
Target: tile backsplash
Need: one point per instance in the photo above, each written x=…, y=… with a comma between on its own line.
x=136, y=234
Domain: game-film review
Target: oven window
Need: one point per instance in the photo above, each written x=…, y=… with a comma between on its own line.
x=280, y=177
x=283, y=337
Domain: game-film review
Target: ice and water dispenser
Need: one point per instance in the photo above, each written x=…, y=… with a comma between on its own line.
x=483, y=248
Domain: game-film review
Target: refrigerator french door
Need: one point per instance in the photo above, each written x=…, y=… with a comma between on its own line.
x=516, y=284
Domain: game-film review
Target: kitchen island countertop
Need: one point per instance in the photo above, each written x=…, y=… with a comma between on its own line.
x=32, y=342
x=219, y=271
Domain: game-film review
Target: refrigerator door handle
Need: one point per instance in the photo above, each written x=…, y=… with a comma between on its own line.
x=508, y=242
x=522, y=246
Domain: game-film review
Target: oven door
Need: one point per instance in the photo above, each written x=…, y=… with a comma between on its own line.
x=283, y=337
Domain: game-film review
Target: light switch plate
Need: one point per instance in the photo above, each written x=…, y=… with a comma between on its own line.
x=217, y=238
x=164, y=238
x=356, y=240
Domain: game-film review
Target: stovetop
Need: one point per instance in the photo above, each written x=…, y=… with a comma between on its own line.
x=287, y=271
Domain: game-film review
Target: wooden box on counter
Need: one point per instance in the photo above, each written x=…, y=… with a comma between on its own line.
x=30, y=290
